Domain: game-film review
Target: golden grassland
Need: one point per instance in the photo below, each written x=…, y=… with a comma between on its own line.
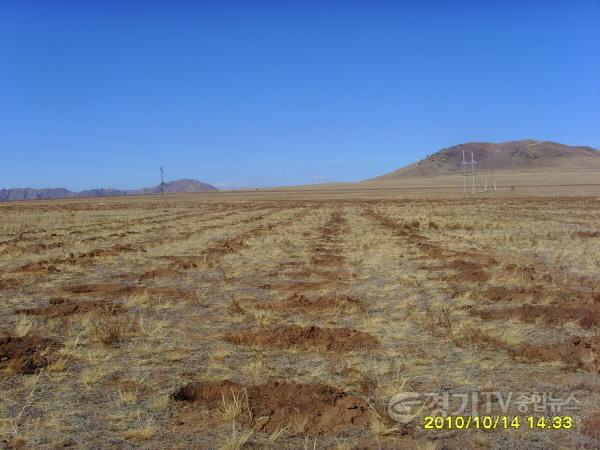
x=230, y=320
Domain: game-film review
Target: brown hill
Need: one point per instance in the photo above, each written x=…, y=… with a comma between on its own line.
x=513, y=156
x=178, y=186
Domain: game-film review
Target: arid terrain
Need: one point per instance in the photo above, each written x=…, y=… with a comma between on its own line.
x=290, y=319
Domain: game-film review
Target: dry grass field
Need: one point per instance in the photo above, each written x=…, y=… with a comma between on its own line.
x=290, y=321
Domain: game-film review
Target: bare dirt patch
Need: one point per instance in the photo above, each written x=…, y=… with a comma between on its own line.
x=305, y=408
x=587, y=234
x=514, y=294
x=38, y=268
x=549, y=314
x=327, y=260
x=591, y=426
x=338, y=339
x=62, y=307
x=108, y=289
x=301, y=301
x=25, y=355
x=10, y=283
x=468, y=271
x=576, y=351
x=114, y=290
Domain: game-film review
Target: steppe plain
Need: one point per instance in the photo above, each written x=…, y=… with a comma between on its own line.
x=289, y=319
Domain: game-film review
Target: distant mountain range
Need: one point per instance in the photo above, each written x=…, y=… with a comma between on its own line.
x=183, y=185
x=514, y=156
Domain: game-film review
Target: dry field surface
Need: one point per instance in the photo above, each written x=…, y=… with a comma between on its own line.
x=216, y=321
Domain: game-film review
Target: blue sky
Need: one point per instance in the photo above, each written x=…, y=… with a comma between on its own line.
x=101, y=94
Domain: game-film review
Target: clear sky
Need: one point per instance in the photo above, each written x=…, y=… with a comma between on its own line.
x=101, y=94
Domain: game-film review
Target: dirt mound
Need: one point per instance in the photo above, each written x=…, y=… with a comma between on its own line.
x=226, y=247
x=25, y=355
x=337, y=339
x=587, y=234
x=304, y=408
x=108, y=289
x=154, y=273
x=577, y=352
x=549, y=314
x=10, y=283
x=300, y=301
x=327, y=260
x=529, y=272
x=39, y=268
x=88, y=256
x=113, y=290
x=467, y=271
x=61, y=307
x=290, y=264
x=511, y=294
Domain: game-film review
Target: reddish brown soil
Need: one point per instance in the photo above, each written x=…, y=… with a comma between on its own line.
x=591, y=426
x=296, y=286
x=529, y=272
x=338, y=339
x=477, y=338
x=575, y=352
x=108, y=289
x=10, y=283
x=549, y=314
x=61, y=307
x=278, y=404
x=587, y=234
x=466, y=271
x=512, y=294
x=226, y=247
x=25, y=355
x=49, y=265
x=114, y=290
x=300, y=301
x=289, y=264
x=154, y=273
x=38, y=268
x=213, y=254
x=327, y=260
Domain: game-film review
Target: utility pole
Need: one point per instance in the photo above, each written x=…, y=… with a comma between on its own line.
x=162, y=181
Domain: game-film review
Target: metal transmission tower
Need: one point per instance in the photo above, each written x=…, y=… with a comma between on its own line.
x=464, y=164
x=492, y=183
x=162, y=180
x=472, y=163
x=472, y=174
